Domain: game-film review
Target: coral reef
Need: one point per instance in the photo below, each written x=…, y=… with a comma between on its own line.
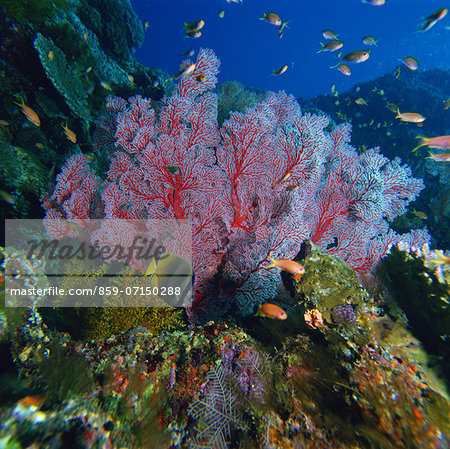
x=258, y=179
x=214, y=385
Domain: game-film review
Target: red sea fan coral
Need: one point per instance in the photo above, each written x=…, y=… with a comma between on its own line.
x=254, y=189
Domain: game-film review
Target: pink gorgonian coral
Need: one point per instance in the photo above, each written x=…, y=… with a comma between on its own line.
x=253, y=189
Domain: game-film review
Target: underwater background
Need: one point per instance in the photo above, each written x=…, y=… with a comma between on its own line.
x=250, y=49
x=305, y=143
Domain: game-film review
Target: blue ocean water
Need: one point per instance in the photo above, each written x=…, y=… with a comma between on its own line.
x=250, y=49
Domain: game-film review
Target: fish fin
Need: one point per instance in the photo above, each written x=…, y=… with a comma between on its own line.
x=21, y=99
x=151, y=268
x=298, y=276
x=422, y=144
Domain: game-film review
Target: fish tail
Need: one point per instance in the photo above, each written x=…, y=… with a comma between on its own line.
x=273, y=264
x=334, y=66
x=323, y=46
x=423, y=142
x=263, y=17
x=22, y=101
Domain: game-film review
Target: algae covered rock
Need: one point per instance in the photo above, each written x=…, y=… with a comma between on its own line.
x=24, y=178
x=419, y=284
x=328, y=285
x=117, y=26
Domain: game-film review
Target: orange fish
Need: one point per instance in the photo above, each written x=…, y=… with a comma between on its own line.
x=201, y=77
x=410, y=117
x=194, y=34
x=32, y=401
x=345, y=69
x=105, y=85
x=186, y=70
x=29, y=113
x=69, y=133
x=442, y=142
x=291, y=266
x=392, y=107
x=375, y=2
x=195, y=25
x=282, y=27
x=360, y=101
x=420, y=214
x=284, y=178
x=331, y=46
x=442, y=157
x=438, y=257
x=272, y=18
x=281, y=70
x=328, y=34
x=6, y=197
x=369, y=40
x=410, y=62
x=356, y=57
x=271, y=311
x=431, y=20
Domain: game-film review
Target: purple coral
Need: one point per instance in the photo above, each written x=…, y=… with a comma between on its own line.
x=344, y=314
